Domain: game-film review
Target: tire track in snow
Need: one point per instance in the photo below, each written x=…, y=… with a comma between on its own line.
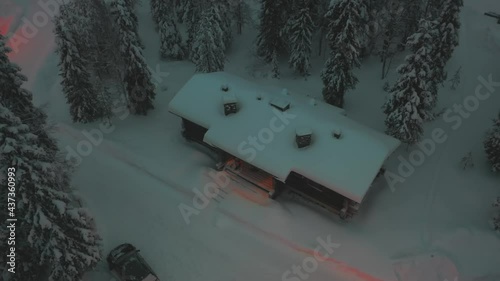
x=63, y=128
x=255, y=197
x=342, y=267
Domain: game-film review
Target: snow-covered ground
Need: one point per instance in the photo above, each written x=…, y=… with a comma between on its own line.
x=431, y=227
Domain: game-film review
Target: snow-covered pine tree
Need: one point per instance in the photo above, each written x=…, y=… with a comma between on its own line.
x=300, y=32
x=170, y=38
x=190, y=10
x=455, y=79
x=376, y=18
x=137, y=76
x=438, y=74
x=269, y=39
x=86, y=104
x=19, y=100
x=157, y=10
x=388, y=50
x=103, y=38
x=337, y=78
x=208, y=47
x=316, y=10
x=131, y=16
x=192, y=13
x=492, y=145
x=432, y=8
x=91, y=21
x=411, y=100
x=225, y=20
x=179, y=10
x=343, y=37
x=275, y=65
x=408, y=21
x=57, y=240
x=448, y=26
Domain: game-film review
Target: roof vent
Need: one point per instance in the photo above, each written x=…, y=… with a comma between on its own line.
x=313, y=102
x=224, y=88
x=280, y=104
x=285, y=92
x=230, y=103
x=337, y=134
x=303, y=137
x=259, y=97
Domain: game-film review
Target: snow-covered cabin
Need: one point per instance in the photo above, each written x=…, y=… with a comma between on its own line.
x=278, y=139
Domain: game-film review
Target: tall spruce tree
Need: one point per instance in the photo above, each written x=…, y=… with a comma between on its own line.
x=192, y=13
x=208, y=47
x=170, y=38
x=343, y=37
x=225, y=20
x=157, y=10
x=448, y=27
x=137, y=77
x=410, y=100
x=86, y=103
x=492, y=145
x=179, y=10
x=301, y=29
x=20, y=100
x=389, y=35
x=437, y=72
x=432, y=8
x=276, y=73
x=409, y=19
x=337, y=79
x=269, y=39
x=53, y=241
x=57, y=238
x=96, y=39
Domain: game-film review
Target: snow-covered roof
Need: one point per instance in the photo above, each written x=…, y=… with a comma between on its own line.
x=229, y=98
x=280, y=103
x=347, y=165
x=303, y=131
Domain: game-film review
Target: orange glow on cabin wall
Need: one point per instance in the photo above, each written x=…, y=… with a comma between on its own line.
x=257, y=196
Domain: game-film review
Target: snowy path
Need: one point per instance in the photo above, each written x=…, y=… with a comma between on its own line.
x=341, y=269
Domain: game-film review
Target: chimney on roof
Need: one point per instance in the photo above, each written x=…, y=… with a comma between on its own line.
x=303, y=137
x=230, y=103
x=280, y=104
x=337, y=134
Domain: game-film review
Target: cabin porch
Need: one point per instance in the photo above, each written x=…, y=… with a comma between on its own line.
x=251, y=174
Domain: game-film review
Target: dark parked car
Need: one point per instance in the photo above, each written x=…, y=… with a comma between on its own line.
x=127, y=264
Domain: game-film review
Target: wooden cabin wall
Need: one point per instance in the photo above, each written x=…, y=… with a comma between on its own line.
x=316, y=191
